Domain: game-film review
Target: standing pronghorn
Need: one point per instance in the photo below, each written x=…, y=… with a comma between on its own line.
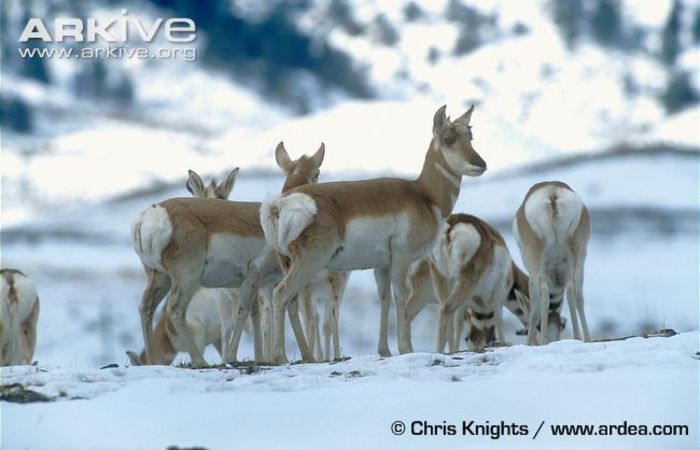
x=552, y=228
x=472, y=273
x=384, y=224
x=188, y=243
x=20, y=312
x=209, y=314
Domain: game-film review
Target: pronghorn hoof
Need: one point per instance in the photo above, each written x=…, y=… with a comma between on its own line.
x=384, y=353
x=281, y=360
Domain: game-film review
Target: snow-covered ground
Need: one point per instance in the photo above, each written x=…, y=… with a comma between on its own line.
x=353, y=404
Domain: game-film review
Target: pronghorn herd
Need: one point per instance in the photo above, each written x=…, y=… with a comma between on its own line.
x=219, y=260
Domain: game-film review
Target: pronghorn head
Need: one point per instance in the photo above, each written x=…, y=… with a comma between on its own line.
x=196, y=186
x=454, y=140
x=555, y=321
x=304, y=170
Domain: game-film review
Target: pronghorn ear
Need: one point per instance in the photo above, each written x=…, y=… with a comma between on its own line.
x=465, y=118
x=195, y=184
x=523, y=302
x=317, y=158
x=224, y=189
x=282, y=157
x=439, y=120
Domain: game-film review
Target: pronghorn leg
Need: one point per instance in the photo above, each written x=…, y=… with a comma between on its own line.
x=3, y=345
x=157, y=287
x=571, y=300
x=544, y=311
x=461, y=291
x=330, y=329
x=381, y=276
x=298, y=275
x=399, y=274
x=500, y=335
x=498, y=300
x=246, y=296
x=578, y=294
x=265, y=301
x=311, y=320
x=227, y=305
x=293, y=312
x=330, y=322
x=258, y=345
x=339, y=285
x=29, y=334
x=535, y=314
x=419, y=294
x=180, y=297
x=457, y=329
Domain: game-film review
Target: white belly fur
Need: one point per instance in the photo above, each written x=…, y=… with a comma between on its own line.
x=228, y=258
x=369, y=242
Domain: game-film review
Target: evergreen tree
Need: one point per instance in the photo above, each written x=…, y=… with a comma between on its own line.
x=679, y=93
x=670, y=39
x=606, y=22
x=568, y=16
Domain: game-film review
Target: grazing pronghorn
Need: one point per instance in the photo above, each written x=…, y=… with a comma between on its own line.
x=204, y=322
x=384, y=224
x=204, y=319
x=471, y=272
x=20, y=312
x=327, y=288
x=552, y=228
x=188, y=243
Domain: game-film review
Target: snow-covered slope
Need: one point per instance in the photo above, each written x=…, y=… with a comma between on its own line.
x=353, y=404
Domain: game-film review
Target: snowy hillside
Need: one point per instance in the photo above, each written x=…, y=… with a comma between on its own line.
x=538, y=95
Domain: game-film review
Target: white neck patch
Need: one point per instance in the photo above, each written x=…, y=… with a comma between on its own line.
x=455, y=181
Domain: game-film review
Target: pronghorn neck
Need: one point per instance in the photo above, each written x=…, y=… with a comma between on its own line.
x=165, y=350
x=439, y=180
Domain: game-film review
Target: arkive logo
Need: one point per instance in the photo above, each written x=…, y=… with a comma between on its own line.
x=175, y=30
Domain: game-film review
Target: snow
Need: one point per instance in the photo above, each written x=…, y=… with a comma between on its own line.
x=352, y=404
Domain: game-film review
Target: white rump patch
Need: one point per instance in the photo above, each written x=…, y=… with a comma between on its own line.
x=464, y=242
x=284, y=218
x=551, y=226
x=150, y=234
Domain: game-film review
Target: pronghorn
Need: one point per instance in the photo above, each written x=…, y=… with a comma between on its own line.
x=20, y=312
x=384, y=224
x=188, y=243
x=552, y=228
x=470, y=271
x=208, y=308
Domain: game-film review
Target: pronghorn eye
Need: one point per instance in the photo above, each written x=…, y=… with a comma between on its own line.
x=449, y=140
